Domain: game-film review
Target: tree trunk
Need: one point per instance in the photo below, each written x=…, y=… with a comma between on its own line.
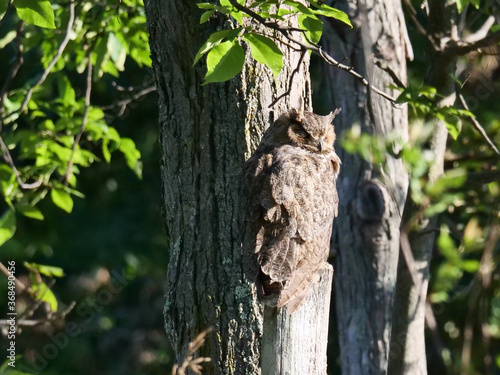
x=296, y=343
x=372, y=196
x=410, y=304
x=206, y=134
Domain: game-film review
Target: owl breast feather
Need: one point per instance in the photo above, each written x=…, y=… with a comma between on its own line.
x=292, y=204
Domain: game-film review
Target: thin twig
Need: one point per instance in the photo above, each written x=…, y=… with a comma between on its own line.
x=19, y=284
x=413, y=15
x=84, y=121
x=296, y=70
x=386, y=68
x=478, y=126
x=122, y=104
x=189, y=361
x=286, y=32
x=8, y=159
x=60, y=50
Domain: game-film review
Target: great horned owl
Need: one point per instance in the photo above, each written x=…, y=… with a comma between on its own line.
x=292, y=201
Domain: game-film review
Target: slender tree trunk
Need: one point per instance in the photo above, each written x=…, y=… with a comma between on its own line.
x=372, y=196
x=410, y=304
x=206, y=134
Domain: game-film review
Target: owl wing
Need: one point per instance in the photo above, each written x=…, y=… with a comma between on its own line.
x=292, y=210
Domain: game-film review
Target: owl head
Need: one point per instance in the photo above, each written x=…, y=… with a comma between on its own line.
x=306, y=130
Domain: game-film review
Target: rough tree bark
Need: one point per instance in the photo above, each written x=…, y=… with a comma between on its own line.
x=206, y=134
x=366, y=233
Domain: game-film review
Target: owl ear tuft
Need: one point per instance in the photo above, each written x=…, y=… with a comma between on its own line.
x=296, y=115
x=333, y=114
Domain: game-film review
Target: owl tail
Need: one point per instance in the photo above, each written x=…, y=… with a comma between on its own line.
x=297, y=290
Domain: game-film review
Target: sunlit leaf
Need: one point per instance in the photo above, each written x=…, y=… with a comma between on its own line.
x=206, y=16
x=36, y=12
x=224, y=62
x=328, y=11
x=265, y=51
x=29, y=211
x=44, y=269
x=118, y=51
x=7, y=225
x=132, y=155
x=214, y=40
x=313, y=27
x=62, y=199
x=43, y=293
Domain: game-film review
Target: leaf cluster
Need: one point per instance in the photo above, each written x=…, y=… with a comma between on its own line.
x=50, y=125
x=225, y=51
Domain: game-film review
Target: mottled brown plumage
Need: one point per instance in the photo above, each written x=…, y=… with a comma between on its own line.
x=292, y=201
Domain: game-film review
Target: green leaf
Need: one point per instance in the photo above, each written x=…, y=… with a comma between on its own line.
x=4, y=4
x=9, y=37
x=451, y=179
x=105, y=150
x=62, y=199
x=36, y=12
x=101, y=54
x=214, y=40
x=66, y=91
x=265, y=51
x=206, y=16
x=224, y=62
x=8, y=183
x=205, y=6
x=461, y=5
x=236, y=14
x=313, y=27
x=118, y=52
x=43, y=293
x=327, y=11
x=29, y=211
x=132, y=155
x=447, y=246
x=7, y=226
x=46, y=270
x=470, y=265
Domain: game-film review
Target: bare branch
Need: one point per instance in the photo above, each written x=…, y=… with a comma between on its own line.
x=462, y=48
x=122, y=104
x=84, y=121
x=482, y=32
x=295, y=71
x=478, y=126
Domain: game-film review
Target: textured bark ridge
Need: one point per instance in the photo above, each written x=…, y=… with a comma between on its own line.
x=206, y=134
x=372, y=197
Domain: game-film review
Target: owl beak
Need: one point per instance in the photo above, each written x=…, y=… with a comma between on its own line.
x=320, y=145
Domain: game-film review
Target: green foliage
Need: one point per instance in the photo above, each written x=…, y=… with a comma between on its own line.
x=49, y=128
x=225, y=59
